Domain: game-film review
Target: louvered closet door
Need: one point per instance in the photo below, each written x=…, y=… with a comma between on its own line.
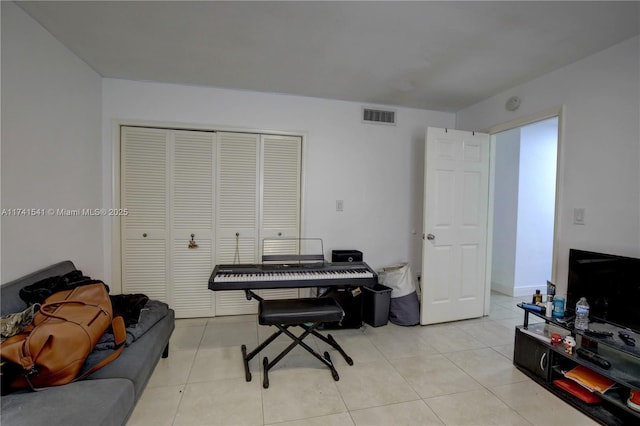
x=192, y=249
x=237, y=203
x=144, y=232
x=280, y=218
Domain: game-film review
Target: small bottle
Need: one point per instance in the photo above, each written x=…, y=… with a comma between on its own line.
x=582, y=314
x=537, y=298
x=558, y=306
x=549, y=308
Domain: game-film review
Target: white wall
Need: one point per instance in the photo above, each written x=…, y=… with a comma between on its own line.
x=56, y=153
x=505, y=210
x=376, y=169
x=601, y=146
x=524, y=200
x=536, y=206
x=51, y=150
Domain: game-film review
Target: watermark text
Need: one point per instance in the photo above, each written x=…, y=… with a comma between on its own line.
x=62, y=212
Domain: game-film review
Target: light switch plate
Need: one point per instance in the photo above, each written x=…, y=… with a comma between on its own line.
x=578, y=216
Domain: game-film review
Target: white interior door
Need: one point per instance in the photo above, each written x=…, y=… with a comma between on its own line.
x=455, y=225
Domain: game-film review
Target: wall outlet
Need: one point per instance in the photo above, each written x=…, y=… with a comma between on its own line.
x=339, y=205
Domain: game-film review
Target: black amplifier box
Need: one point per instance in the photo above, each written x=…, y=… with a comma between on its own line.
x=350, y=299
x=346, y=256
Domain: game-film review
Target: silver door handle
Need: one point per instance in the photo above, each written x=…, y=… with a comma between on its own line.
x=431, y=237
x=543, y=365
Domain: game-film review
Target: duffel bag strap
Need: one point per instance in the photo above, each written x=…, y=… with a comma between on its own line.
x=55, y=305
x=119, y=336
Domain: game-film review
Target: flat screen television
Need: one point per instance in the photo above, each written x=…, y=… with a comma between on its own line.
x=610, y=283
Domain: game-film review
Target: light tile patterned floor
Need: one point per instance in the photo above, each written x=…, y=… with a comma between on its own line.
x=457, y=373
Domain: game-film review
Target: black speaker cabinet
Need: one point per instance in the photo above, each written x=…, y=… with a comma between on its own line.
x=346, y=256
x=350, y=299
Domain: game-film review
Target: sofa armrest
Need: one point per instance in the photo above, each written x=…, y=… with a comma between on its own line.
x=10, y=301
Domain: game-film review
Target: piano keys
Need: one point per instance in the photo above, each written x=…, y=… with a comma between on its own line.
x=266, y=276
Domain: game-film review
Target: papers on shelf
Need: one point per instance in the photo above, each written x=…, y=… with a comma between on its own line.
x=589, y=379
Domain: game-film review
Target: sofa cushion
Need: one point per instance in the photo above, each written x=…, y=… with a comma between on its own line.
x=94, y=402
x=139, y=359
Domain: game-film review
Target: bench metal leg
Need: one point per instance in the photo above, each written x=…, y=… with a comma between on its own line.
x=331, y=341
x=297, y=340
x=248, y=357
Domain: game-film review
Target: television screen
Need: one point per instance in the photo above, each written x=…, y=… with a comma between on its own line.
x=610, y=283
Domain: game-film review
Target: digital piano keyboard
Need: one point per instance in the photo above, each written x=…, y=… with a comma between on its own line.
x=256, y=276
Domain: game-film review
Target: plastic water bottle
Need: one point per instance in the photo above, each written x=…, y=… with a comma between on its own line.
x=582, y=314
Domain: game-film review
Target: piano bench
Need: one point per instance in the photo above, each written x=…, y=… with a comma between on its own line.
x=298, y=311
x=307, y=313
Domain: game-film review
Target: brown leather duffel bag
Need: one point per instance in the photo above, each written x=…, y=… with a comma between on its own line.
x=53, y=349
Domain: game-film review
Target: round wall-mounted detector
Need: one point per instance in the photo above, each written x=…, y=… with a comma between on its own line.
x=513, y=103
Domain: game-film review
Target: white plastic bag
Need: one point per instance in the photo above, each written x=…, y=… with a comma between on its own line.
x=404, y=308
x=398, y=278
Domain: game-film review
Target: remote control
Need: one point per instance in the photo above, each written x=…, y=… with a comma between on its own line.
x=626, y=338
x=594, y=358
x=532, y=307
x=597, y=333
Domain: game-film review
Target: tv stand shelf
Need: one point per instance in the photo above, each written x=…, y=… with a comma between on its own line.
x=545, y=362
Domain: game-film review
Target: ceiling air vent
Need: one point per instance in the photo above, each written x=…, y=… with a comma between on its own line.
x=370, y=115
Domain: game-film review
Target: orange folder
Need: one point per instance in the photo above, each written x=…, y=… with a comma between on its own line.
x=590, y=379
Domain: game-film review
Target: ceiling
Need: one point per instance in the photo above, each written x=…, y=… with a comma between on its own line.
x=432, y=55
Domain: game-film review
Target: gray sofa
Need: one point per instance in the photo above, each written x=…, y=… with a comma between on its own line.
x=108, y=396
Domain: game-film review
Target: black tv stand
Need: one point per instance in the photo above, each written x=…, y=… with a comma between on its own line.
x=545, y=362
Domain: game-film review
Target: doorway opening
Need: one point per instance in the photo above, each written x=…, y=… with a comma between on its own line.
x=524, y=207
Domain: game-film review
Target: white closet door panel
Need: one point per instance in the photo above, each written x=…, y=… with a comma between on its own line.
x=143, y=233
x=237, y=192
x=280, y=246
x=191, y=270
x=193, y=158
x=234, y=303
x=279, y=293
x=145, y=268
x=144, y=165
x=281, y=158
x=192, y=214
x=144, y=229
x=229, y=251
